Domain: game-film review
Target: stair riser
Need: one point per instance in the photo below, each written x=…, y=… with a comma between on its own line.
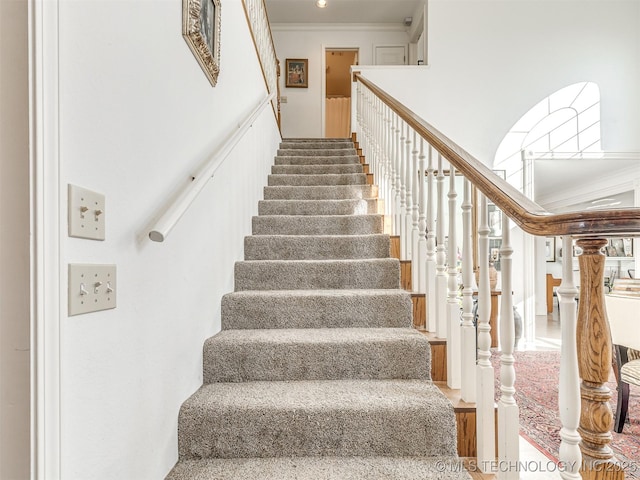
x=317, y=169
x=233, y=362
x=318, y=225
x=327, y=179
x=307, y=275
x=318, y=207
x=259, y=433
x=318, y=160
x=342, y=310
x=279, y=247
x=312, y=152
x=321, y=193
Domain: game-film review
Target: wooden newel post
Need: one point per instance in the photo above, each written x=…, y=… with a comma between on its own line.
x=594, y=364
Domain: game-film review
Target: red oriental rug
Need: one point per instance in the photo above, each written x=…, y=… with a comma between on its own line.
x=537, y=374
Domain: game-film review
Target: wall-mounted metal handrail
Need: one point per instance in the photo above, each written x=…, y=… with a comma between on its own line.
x=173, y=212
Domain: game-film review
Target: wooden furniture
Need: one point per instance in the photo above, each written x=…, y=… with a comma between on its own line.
x=551, y=282
x=623, y=305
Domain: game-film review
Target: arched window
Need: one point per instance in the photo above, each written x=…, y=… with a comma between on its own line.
x=566, y=123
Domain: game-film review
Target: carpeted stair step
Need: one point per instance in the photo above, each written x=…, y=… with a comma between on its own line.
x=318, y=207
x=316, y=169
x=317, y=274
x=317, y=224
x=322, y=192
x=316, y=139
x=316, y=309
x=288, y=144
x=394, y=418
x=316, y=247
x=313, y=152
x=325, y=179
x=321, y=468
x=316, y=354
x=317, y=160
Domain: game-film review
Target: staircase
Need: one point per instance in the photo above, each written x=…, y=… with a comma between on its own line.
x=317, y=373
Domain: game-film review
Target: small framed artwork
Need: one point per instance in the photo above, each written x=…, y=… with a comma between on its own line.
x=550, y=249
x=297, y=73
x=619, y=247
x=201, y=30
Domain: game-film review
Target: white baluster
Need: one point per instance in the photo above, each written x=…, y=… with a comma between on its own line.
x=508, y=421
x=453, y=309
x=403, y=192
x=388, y=189
x=390, y=201
x=415, y=175
x=441, y=259
x=431, y=247
x=422, y=225
x=408, y=180
x=485, y=381
x=569, y=389
x=398, y=175
x=468, y=330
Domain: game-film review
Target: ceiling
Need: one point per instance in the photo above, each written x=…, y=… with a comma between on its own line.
x=341, y=11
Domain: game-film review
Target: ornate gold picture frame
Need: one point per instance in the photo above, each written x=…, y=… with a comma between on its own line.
x=201, y=30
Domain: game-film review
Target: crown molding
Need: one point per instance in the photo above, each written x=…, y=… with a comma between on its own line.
x=340, y=27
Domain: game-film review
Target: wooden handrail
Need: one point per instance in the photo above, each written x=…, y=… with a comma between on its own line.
x=528, y=215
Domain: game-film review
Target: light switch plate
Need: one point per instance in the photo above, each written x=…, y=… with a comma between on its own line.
x=86, y=213
x=91, y=288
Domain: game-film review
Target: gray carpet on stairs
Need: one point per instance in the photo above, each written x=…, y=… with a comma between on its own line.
x=317, y=373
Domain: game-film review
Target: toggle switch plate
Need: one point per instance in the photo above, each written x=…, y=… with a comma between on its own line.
x=91, y=288
x=86, y=213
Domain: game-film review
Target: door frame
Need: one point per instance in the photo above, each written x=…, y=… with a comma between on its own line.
x=323, y=82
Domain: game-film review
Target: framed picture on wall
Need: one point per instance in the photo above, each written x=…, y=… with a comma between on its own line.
x=201, y=30
x=297, y=73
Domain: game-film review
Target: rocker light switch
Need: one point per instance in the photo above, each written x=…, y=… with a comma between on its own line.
x=91, y=288
x=86, y=213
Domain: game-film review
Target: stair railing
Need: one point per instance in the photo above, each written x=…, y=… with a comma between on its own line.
x=258, y=20
x=174, y=211
x=586, y=343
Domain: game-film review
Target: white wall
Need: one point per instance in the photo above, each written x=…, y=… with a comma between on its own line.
x=302, y=114
x=137, y=117
x=14, y=242
x=490, y=62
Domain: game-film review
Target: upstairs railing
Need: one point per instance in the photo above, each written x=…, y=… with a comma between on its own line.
x=258, y=20
x=411, y=160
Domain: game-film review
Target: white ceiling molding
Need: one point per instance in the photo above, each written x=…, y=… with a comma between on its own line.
x=350, y=27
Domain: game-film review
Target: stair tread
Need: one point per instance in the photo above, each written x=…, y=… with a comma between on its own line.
x=319, y=336
x=317, y=417
x=316, y=354
x=321, y=468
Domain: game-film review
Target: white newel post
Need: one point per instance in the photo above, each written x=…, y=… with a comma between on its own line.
x=468, y=330
x=508, y=421
x=409, y=200
x=453, y=309
x=431, y=248
x=403, y=192
x=422, y=226
x=415, y=170
x=485, y=381
x=441, y=259
x=569, y=389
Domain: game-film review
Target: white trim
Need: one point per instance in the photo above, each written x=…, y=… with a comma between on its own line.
x=45, y=207
x=323, y=83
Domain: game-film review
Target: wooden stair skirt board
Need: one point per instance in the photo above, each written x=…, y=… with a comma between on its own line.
x=405, y=275
x=419, y=301
x=438, y=356
x=365, y=168
x=466, y=421
x=395, y=246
